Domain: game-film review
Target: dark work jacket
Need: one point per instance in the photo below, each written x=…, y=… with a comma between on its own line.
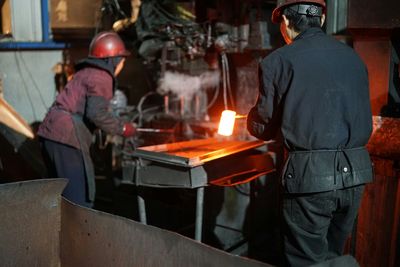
x=315, y=93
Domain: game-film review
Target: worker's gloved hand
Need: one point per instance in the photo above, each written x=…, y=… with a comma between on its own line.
x=129, y=129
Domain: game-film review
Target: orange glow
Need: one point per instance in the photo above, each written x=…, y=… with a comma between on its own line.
x=226, y=122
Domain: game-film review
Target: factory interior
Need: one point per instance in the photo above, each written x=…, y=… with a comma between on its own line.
x=180, y=192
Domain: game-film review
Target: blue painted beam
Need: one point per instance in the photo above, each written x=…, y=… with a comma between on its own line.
x=31, y=45
x=45, y=21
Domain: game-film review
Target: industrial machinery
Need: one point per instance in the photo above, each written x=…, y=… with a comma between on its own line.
x=200, y=58
x=177, y=145
x=191, y=84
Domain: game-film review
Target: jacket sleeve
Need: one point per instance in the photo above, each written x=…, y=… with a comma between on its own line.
x=99, y=94
x=265, y=118
x=97, y=111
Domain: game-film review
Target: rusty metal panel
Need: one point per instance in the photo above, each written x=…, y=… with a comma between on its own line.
x=30, y=223
x=94, y=238
x=376, y=53
x=385, y=138
x=378, y=236
x=373, y=14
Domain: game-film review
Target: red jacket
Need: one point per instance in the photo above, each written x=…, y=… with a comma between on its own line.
x=87, y=95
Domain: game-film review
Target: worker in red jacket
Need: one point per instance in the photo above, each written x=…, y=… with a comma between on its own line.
x=66, y=131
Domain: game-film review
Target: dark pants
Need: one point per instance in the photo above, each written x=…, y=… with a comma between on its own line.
x=63, y=161
x=317, y=225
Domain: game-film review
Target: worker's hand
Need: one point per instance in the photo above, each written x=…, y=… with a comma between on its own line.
x=129, y=129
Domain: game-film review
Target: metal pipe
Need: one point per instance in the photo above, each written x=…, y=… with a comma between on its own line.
x=182, y=106
x=45, y=21
x=166, y=104
x=140, y=199
x=142, y=209
x=199, y=213
x=197, y=106
x=32, y=45
x=150, y=130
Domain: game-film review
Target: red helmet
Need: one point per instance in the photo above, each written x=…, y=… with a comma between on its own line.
x=281, y=4
x=107, y=44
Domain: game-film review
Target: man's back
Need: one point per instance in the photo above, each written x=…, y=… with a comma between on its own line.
x=315, y=90
x=324, y=85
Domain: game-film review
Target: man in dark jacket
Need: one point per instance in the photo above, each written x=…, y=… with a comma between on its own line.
x=314, y=93
x=66, y=131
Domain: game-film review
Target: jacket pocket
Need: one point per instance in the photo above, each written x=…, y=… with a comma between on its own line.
x=325, y=170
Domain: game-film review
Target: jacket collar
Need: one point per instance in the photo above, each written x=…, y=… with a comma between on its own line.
x=309, y=33
x=96, y=63
x=100, y=64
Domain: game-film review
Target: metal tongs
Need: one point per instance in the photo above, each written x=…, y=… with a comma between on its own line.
x=151, y=130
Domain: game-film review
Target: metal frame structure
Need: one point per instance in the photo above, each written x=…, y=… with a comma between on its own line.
x=47, y=42
x=196, y=164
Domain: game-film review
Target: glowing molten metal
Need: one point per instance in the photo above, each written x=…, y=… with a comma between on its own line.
x=226, y=122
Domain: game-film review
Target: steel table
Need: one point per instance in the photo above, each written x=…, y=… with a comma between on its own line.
x=198, y=163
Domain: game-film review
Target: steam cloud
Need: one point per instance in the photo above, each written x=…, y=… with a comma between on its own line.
x=185, y=85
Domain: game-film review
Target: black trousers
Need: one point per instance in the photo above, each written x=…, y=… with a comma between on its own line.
x=63, y=161
x=317, y=225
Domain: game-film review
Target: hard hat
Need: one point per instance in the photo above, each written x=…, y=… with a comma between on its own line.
x=281, y=4
x=107, y=44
